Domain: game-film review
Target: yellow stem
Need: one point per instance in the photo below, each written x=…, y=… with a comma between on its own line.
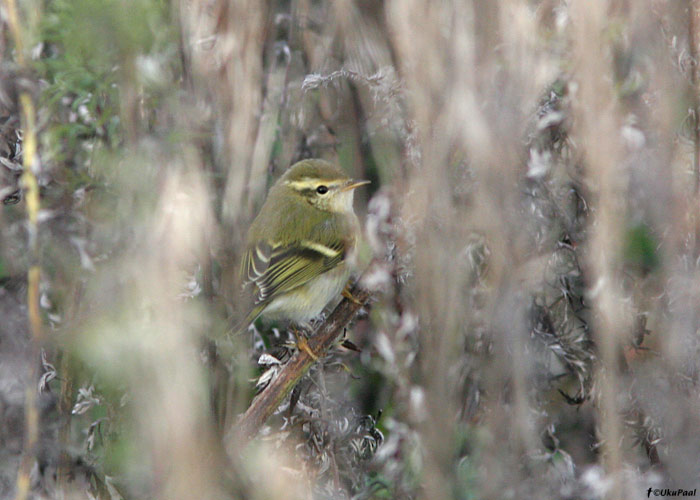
x=29, y=152
x=13, y=21
x=31, y=195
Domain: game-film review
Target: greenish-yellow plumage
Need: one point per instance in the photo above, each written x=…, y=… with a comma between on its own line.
x=301, y=243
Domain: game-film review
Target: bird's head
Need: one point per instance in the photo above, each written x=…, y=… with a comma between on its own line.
x=321, y=184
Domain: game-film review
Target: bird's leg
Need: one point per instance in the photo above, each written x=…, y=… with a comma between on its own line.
x=302, y=343
x=348, y=295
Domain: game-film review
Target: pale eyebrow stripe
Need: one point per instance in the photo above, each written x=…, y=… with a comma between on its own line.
x=320, y=248
x=309, y=183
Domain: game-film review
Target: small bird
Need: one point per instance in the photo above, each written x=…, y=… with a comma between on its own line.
x=302, y=244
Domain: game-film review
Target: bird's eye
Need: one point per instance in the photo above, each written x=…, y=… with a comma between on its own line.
x=322, y=189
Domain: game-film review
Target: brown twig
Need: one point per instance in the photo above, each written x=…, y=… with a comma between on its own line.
x=269, y=400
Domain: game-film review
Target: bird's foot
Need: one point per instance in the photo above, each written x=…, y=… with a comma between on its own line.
x=348, y=295
x=302, y=344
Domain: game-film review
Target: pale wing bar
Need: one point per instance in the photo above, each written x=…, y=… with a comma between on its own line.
x=279, y=269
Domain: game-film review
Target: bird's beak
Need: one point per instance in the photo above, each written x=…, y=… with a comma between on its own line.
x=354, y=184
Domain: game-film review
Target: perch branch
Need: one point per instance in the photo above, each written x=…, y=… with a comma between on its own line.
x=320, y=342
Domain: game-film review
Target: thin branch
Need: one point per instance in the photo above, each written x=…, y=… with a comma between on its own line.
x=265, y=404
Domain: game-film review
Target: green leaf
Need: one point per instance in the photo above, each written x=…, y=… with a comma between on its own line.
x=641, y=249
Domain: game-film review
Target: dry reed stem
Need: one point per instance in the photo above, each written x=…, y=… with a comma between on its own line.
x=694, y=44
x=598, y=128
x=436, y=64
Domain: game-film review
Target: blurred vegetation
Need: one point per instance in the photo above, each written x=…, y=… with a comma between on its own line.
x=532, y=225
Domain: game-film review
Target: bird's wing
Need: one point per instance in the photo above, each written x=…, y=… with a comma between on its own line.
x=276, y=269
